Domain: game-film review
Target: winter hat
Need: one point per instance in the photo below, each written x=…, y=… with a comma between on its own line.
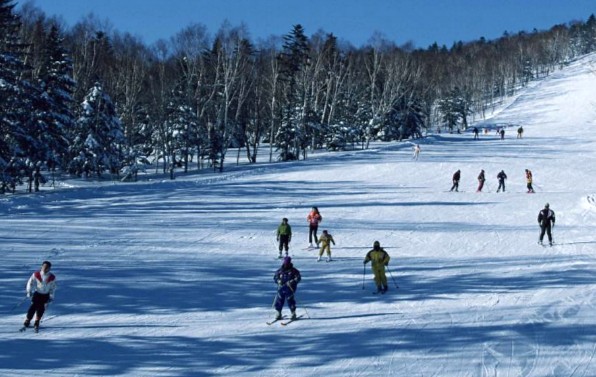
x=376, y=245
x=546, y=205
x=287, y=260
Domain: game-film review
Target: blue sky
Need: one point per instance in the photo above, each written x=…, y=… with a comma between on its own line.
x=420, y=21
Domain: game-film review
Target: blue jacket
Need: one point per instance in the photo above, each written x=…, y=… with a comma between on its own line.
x=287, y=274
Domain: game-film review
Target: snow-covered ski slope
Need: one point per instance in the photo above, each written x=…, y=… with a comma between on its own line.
x=174, y=278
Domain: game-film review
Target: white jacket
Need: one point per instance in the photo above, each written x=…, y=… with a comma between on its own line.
x=41, y=283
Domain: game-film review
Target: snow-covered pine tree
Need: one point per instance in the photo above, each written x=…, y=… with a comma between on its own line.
x=55, y=118
x=99, y=140
x=13, y=120
x=292, y=133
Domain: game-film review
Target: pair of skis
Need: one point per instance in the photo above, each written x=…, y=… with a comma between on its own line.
x=24, y=328
x=284, y=323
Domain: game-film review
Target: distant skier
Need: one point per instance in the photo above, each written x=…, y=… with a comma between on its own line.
x=325, y=241
x=529, y=180
x=284, y=236
x=546, y=220
x=416, y=152
x=40, y=288
x=456, y=178
x=313, y=218
x=520, y=132
x=481, y=180
x=287, y=278
x=475, y=133
x=501, y=177
x=379, y=258
x=502, y=133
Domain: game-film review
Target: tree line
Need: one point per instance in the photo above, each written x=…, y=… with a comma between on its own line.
x=90, y=101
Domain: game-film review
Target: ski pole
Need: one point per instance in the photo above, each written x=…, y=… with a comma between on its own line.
x=392, y=278
x=363, y=274
x=19, y=304
x=303, y=307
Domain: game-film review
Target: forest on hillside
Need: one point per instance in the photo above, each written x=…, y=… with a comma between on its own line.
x=90, y=101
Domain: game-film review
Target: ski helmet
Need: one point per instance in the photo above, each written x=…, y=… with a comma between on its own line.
x=546, y=205
x=376, y=244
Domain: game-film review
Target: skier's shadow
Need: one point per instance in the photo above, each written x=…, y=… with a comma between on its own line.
x=353, y=316
x=574, y=243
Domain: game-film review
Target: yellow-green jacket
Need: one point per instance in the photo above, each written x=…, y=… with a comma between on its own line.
x=284, y=230
x=379, y=258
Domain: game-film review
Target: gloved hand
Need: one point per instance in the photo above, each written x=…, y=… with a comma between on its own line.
x=277, y=238
x=28, y=294
x=364, y=262
x=50, y=299
x=386, y=263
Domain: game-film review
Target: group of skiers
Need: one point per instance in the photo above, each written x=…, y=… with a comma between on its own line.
x=287, y=276
x=501, y=177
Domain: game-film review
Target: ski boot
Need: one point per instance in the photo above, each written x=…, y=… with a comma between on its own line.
x=27, y=322
x=36, y=325
x=293, y=315
x=278, y=316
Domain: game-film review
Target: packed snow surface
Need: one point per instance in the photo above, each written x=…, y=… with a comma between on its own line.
x=175, y=278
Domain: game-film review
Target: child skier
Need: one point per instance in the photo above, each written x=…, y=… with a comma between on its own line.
x=284, y=236
x=287, y=278
x=325, y=241
x=40, y=288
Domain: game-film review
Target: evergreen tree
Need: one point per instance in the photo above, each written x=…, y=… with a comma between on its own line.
x=57, y=87
x=292, y=133
x=99, y=140
x=14, y=138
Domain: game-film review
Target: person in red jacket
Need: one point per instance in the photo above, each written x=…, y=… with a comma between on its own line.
x=40, y=288
x=313, y=218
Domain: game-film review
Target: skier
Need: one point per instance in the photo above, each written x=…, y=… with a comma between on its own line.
x=325, y=241
x=502, y=133
x=416, y=152
x=529, y=181
x=481, y=180
x=456, y=178
x=546, y=220
x=284, y=236
x=501, y=177
x=520, y=132
x=313, y=218
x=40, y=288
x=476, y=133
x=379, y=259
x=287, y=278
